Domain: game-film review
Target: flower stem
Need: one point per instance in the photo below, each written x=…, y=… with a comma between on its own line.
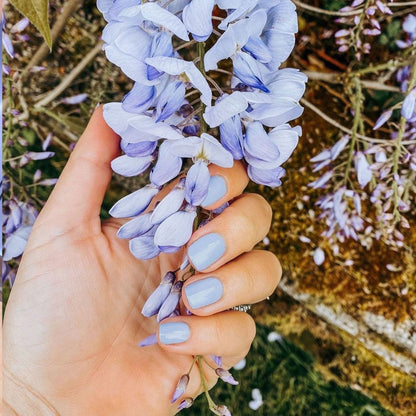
x=357, y=93
x=201, y=53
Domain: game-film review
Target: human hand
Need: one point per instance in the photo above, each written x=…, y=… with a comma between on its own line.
x=73, y=320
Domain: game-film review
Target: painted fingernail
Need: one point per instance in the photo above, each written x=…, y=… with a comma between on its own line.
x=204, y=292
x=173, y=332
x=206, y=250
x=217, y=188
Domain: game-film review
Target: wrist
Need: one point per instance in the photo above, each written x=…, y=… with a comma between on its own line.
x=21, y=400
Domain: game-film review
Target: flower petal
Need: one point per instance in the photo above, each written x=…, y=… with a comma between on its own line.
x=269, y=177
x=161, y=16
x=168, y=165
x=197, y=17
x=362, y=168
x=232, y=136
x=135, y=203
x=159, y=295
x=196, y=185
x=176, y=230
x=286, y=139
x=143, y=248
x=247, y=70
x=225, y=108
x=138, y=149
x=174, y=66
x=139, y=99
x=131, y=166
x=170, y=204
x=135, y=227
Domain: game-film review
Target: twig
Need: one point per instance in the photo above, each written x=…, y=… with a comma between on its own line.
x=57, y=28
x=70, y=77
x=326, y=12
x=336, y=78
x=338, y=125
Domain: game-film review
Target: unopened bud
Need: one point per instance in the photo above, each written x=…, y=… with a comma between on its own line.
x=226, y=376
x=180, y=388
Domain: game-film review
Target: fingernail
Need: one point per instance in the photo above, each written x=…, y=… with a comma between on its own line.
x=217, y=188
x=206, y=250
x=173, y=332
x=204, y=292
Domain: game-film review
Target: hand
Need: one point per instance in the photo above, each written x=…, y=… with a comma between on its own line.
x=73, y=320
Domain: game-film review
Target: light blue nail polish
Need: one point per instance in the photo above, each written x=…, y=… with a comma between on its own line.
x=173, y=332
x=217, y=188
x=204, y=292
x=206, y=250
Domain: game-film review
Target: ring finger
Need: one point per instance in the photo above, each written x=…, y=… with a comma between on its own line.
x=247, y=280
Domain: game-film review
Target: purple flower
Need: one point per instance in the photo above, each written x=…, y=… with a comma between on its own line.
x=226, y=376
x=362, y=168
x=135, y=203
x=170, y=204
x=409, y=103
x=205, y=148
x=187, y=70
x=136, y=227
x=131, y=166
x=171, y=302
x=150, y=340
x=180, y=388
x=197, y=18
x=156, y=299
x=176, y=230
x=197, y=181
x=385, y=116
x=168, y=165
x=185, y=403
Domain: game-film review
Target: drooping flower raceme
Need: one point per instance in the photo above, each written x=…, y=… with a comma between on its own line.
x=176, y=120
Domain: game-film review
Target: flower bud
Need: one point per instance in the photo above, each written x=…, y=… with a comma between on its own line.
x=158, y=297
x=226, y=376
x=180, y=388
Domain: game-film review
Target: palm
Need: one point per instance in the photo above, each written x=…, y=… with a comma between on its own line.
x=97, y=289
x=75, y=339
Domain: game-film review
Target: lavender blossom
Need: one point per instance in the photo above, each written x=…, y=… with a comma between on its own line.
x=226, y=376
x=156, y=299
x=180, y=388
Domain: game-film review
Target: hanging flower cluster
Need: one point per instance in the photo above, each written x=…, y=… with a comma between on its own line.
x=160, y=126
x=177, y=111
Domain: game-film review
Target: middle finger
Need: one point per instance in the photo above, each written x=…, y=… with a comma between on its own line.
x=236, y=230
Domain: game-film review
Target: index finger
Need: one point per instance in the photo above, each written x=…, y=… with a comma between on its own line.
x=78, y=195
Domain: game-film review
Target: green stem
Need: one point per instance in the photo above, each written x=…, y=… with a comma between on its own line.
x=354, y=130
x=204, y=383
x=201, y=54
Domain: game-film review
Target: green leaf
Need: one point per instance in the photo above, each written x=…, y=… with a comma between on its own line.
x=37, y=12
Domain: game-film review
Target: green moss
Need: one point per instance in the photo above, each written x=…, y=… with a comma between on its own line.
x=290, y=386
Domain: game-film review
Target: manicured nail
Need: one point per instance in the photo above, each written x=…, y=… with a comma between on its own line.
x=173, y=332
x=206, y=250
x=217, y=188
x=204, y=292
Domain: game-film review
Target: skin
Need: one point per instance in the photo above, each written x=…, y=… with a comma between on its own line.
x=73, y=321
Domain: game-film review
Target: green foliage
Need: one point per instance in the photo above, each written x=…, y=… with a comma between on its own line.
x=391, y=34
x=37, y=12
x=334, y=5
x=290, y=386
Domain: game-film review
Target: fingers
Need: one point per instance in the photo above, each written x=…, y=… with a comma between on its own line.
x=228, y=334
x=236, y=230
x=247, y=280
x=79, y=193
x=225, y=184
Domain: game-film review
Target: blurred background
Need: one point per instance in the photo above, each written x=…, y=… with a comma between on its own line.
x=339, y=335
